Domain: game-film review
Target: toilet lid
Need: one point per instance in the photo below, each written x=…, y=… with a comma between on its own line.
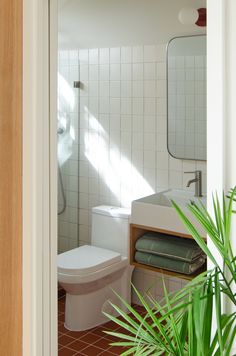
x=86, y=259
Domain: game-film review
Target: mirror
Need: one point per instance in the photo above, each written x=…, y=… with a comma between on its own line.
x=186, y=97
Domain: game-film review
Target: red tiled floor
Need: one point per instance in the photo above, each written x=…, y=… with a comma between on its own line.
x=61, y=317
x=93, y=342
x=112, y=338
x=62, y=329
x=64, y=340
x=100, y=331
x=92, y=351
x=106, y=353
x=103, y=343
x=78, y=345
x=117, y=350
x=76, y=334
x=66, y=352
x=90, y=338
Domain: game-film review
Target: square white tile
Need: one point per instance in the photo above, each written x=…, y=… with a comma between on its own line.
x=137, y=54
x=115, y=89
x=104, y=55
x=115, y=55
x=149, y=71
x=115, y=72
x=93, y=56
x=150, y=53
x=126, y=71
x=126, y=54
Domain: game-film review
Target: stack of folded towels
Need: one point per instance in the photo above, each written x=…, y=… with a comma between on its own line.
x=169, y=252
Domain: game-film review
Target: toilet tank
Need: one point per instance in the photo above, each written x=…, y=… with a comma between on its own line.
x=110, y=228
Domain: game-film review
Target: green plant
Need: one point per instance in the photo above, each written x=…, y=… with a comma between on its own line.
x=190, y=321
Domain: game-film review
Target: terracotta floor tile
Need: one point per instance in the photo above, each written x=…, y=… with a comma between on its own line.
x=100, y=331
x=103, y=343
x=65, y=340
x=90, y=338
x=117, y=350
x=106, y=353
x=61, y=317
x=62, y=329
x=113, y=338
x=138, y=307
x=61, y=307
x=66, y=352
x=92, y=351
x=78, y=345
x=76, y=334
x=61, y=293
x=111, y=325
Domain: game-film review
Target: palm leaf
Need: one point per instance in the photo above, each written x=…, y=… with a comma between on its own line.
x=143, y=331
x=152, y=315
x=194, y=233
x=181, y=324
x=174, y=325
x=218, y=312
x=230, y=337
x=207, y=310
x=197, y=312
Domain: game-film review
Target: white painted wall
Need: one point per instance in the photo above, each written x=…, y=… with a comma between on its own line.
x=230, y=126
x=112, y=23
x=230, y=90
x=221, y=106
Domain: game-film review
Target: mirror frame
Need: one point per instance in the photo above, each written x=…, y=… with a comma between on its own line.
x=167, y=107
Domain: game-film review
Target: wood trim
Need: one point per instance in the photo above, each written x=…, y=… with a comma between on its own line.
x=188, y=277
x=155, y=229
x=11, y=177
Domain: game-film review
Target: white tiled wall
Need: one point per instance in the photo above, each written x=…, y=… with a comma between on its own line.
x=150, y=283
x=117, y=130
x=123, y=144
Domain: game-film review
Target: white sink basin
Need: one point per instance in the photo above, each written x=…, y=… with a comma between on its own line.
x=157, y=211
x=182, y=197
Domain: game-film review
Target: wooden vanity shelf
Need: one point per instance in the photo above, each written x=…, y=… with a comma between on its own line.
x=137, y=231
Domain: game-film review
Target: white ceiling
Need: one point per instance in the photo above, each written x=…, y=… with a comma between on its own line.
x=110, y=23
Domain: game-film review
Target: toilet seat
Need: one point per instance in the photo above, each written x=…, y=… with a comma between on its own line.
x=88, y=263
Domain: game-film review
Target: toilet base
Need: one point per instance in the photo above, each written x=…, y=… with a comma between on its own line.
x=84, y=311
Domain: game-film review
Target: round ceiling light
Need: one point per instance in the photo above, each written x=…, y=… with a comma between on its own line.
x=188, y=16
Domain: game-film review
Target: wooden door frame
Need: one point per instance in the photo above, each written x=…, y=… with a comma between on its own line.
x=39, y=156
x=11, y=177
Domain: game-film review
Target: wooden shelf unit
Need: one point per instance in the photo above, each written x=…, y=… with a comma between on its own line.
x=137, y=231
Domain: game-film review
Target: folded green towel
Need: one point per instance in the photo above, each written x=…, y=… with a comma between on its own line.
x=169, y=246
x=169, y=264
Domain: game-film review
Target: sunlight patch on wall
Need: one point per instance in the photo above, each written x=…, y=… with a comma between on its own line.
x=121, y=177
x=66, y=131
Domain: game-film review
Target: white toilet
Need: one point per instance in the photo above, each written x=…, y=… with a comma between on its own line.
x=89, y=274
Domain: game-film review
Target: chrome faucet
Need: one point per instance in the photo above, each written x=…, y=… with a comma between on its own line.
x=198, y=183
